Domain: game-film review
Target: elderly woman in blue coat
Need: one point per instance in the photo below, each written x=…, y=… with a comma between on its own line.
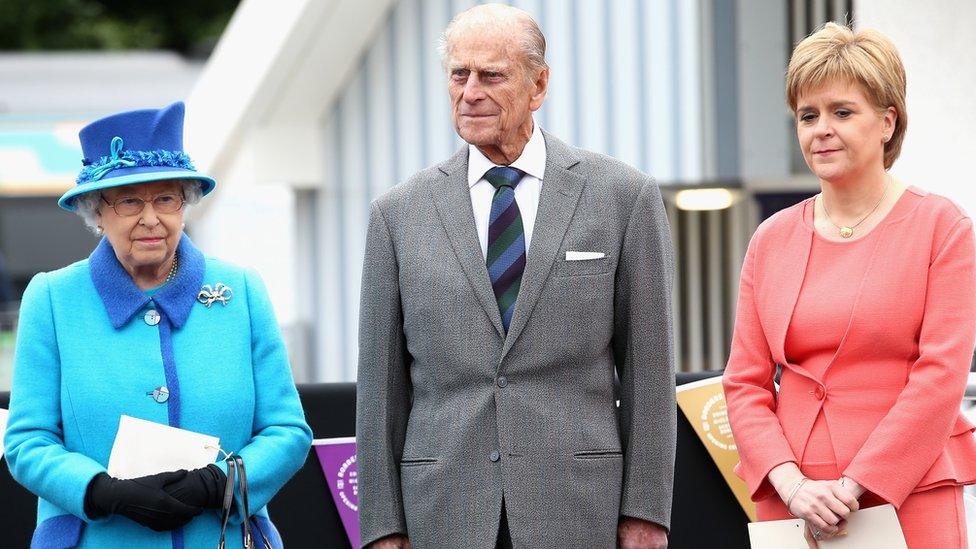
x=151, y=328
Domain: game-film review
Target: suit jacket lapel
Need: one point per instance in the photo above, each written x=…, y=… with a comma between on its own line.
x=782, y=283
x=452, y=198
x=560, y=194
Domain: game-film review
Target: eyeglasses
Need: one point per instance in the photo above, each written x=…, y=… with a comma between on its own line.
x=129, y=206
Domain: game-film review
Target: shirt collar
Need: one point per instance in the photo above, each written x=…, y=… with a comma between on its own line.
x=532, y=161
x=121, y=296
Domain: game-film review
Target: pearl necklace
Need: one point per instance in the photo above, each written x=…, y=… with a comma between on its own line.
x=172, y=270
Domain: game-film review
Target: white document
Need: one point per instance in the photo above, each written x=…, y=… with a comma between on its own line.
x=3, y=427
x=583, y=256
x=145, y=448
x=872, y=528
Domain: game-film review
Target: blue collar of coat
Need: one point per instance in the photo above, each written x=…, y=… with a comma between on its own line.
x=122, y=298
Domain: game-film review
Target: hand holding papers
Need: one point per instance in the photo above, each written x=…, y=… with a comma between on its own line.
x=872, y=528
x=145, y=448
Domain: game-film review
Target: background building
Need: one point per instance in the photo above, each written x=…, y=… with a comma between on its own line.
x=354, y=100
x=309, y=109
x=351, y=99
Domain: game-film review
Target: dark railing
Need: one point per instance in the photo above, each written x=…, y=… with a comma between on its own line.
x=705, y=514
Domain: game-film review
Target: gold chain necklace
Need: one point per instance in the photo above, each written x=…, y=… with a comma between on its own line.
x=845, y=230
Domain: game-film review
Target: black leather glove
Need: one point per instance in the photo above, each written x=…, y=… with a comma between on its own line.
x=140, y=499
x=202, y=487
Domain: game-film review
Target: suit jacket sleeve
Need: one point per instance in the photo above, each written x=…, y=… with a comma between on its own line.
x=34, y=441
x=383, y=391
x=911, y=436
x=750, y=393
x=643, y=347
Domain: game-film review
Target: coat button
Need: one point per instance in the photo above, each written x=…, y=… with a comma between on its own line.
x=502, y=382
x=159, y=394
x=495, y=456
x=819, y=393
x=152, y=317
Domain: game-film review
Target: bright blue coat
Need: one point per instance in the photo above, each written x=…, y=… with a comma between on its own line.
x=87, y=355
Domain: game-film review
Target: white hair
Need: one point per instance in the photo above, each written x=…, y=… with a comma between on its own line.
x=531, y=41
x=86, y=205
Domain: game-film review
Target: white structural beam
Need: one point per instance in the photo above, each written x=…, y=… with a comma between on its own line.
x=255, y=123
x=765, y=128
x=330, y=52
x=278, y=67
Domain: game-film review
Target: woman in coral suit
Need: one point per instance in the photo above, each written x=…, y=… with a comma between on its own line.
x=865, y=297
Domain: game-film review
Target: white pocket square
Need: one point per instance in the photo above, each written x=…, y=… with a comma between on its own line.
x=583, y=256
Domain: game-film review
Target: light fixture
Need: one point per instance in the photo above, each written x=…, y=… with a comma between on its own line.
x=704, y=199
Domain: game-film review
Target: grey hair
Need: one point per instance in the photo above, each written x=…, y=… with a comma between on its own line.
x=86, y=205
x=532, y=42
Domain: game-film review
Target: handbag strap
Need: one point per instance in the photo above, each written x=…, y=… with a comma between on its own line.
x=228, y=502
x=242, y=479
x=248, y=529
x=235, y=468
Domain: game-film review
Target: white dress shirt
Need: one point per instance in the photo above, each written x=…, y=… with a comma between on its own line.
x=532, y=161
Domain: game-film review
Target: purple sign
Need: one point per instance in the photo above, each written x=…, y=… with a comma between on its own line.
x=337, y=456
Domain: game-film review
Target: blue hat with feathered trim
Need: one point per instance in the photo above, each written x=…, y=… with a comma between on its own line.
x=134, y=147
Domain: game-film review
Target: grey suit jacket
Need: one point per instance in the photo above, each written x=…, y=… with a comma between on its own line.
x=453, y=415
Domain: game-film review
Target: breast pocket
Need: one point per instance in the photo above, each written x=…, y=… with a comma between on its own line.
x=584, y=267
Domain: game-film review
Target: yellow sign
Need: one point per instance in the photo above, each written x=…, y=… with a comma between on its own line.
x=703, y=403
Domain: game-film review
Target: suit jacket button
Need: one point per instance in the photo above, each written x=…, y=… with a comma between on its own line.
x=495, y=456
x=502, y=382
x=819, y=393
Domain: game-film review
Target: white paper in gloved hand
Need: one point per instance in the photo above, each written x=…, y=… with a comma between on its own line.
x=146, y=448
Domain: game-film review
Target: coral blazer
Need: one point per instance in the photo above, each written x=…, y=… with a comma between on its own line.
x=892, y=391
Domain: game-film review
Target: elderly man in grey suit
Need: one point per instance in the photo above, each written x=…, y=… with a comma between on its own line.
x=512, y=296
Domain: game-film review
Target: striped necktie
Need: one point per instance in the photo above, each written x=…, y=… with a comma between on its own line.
x=506, y=240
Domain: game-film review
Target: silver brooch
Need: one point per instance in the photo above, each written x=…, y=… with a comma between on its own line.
x=218, y=293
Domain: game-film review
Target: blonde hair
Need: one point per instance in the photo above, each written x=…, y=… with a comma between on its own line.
x=867, y=58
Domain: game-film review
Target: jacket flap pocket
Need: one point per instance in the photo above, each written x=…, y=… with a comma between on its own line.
x=566, y=267
x=416, y=461
x=598, y=454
